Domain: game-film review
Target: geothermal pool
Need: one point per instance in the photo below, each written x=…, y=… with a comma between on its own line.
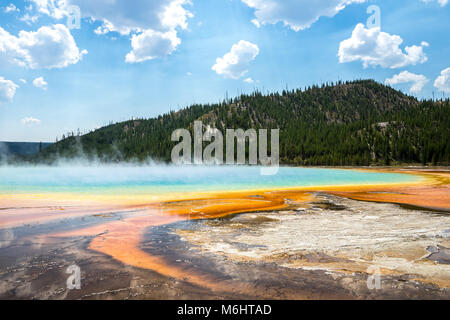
x=154, y=180
x=164, y=232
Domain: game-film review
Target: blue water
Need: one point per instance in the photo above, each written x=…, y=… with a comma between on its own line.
x=165, y=179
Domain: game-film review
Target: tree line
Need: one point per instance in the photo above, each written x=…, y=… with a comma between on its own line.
x=345, y=123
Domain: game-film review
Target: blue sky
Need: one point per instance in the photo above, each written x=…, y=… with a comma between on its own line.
x=141, y=61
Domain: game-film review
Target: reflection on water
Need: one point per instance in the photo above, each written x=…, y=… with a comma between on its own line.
x=6, y=237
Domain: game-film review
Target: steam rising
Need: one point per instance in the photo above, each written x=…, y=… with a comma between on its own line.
x=3, y=153
x=151, y=178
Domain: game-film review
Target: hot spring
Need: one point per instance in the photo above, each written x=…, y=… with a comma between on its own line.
x=157, y=180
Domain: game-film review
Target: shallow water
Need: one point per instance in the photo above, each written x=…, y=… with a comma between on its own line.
x=165, y=179
x=109, y=210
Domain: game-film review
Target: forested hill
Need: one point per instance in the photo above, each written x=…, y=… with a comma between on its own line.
x=347, y=123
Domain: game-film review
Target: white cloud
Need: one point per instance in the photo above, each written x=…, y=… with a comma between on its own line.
x=249, y=80
x=153, y=24
x=7, y=90
x=29, y=19
x=418, y=80
x=297, y=14
x=57, y=9
x=40, y=83
x=235, y=63
x=23, y=81
x=123, y=17
x=48, y=47
x=11, y=8
x=443, y=81
x=256, y=23
x=441, y=2
x=152, y=44
x=29, y=121
x=376, y=48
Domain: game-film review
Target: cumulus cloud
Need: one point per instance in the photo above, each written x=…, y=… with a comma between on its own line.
x=40, y=83
x=11, y=8
x=57, y=9
x=441, y=2
x=123, y=17
x=249, y=80
x=443, y=81
x=297, y=14
x=376, y=48
x=7, y=90
x=153, y=25
x=418, y=80
x=151, y=44
x=23, y=81
x=29, y=121
x=48, y=47
x=235, y=63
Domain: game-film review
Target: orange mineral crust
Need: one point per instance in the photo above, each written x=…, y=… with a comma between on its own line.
x=121, y=239
x=433, y=193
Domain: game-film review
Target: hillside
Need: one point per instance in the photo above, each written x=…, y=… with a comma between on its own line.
x=21, y=148
x=348, y=123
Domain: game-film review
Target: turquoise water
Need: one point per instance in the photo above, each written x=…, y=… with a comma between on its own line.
x=166, y=179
